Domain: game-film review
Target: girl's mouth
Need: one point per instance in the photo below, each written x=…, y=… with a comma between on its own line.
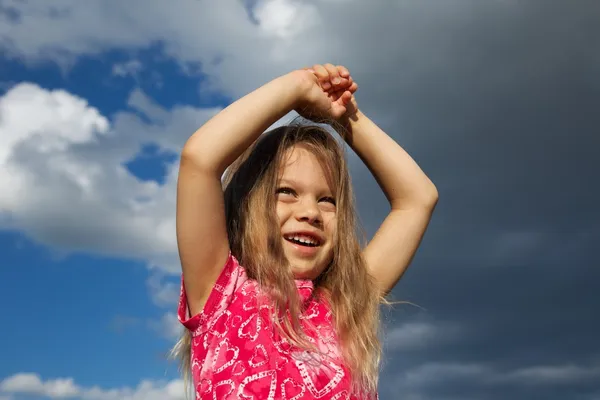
x=300, y=243
x=303, y=239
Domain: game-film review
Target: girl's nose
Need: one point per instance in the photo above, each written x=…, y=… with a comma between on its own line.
x=308, y=211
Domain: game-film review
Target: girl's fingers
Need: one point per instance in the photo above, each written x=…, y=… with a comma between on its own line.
x=338, y=110
x=339, y=97
x=343, y=71
x=342, y=84
x=323, y=76
x=335, y=95
x=334, y=75
x=332, y=78
x=346, y=97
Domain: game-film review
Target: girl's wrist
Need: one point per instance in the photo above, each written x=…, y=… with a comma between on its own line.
x=351, y=118
x=299, y=83
x=351, y=123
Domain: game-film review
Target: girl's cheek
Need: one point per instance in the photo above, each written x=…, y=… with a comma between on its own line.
x=282, y=212
x=331, y=222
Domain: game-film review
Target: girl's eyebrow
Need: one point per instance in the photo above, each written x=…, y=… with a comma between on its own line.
x=287, y=182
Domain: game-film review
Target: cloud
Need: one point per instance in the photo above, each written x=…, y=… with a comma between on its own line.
x=445, y=380
x=32, y=384
x=166, y=327
x=417, y=335
x=191, y=32
x=285, y=18
x=131, y=68
x=433, y=373
x=164, y=292
x=65, y=388
x=63, y=182
x=554, y=375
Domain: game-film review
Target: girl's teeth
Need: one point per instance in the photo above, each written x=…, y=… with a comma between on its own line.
x=303, y=240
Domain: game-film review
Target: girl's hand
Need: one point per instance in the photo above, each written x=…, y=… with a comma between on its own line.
x=328, y=92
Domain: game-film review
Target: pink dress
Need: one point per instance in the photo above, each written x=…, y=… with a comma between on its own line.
x=237, y=354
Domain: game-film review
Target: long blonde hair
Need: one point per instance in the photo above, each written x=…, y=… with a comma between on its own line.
x=255, y=240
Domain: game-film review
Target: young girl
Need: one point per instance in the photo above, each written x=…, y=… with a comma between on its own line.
x=278, y=297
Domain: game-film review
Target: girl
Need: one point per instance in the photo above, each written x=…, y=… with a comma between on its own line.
x=278, y=298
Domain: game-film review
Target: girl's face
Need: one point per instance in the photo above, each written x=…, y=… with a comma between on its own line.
x=307, y=213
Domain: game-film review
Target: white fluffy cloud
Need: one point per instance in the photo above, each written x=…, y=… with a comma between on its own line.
x=62, y=179
x=66, y=388
x=285, y=18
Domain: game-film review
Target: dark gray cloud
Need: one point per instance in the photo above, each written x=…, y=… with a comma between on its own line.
x=498, y=102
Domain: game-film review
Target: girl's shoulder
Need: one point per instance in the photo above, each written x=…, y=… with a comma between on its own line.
x=231, y=281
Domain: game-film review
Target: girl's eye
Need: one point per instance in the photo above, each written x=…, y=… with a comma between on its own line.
x=329, y=200
x=285, y=190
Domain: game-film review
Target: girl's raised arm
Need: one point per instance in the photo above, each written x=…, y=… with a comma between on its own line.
x=201, y=231
x=412, y=198
x=412, y=195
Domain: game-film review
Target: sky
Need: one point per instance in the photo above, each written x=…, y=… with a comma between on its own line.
x=496, y=100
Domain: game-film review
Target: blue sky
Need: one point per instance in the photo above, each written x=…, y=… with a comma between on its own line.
x=496, y=101
x=77, y=314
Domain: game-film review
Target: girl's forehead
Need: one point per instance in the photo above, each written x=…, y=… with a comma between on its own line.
x=301, y=166
x=299, y=159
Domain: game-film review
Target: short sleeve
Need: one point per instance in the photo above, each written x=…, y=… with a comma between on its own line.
x=231, y=278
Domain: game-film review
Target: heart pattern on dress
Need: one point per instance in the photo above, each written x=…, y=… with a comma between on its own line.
x=249, y=304
x=228, y=355
x=205, y=386
x=254, y=384
x=292, y=390
x=307, y=378
x=283, y=346
x=250, y=328
x=236, y=321
x=259, y=357
x=238, y=368
x=223, y=389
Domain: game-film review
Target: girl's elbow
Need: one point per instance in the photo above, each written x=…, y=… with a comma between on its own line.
x=424, y=199
x=196, y=156
x=432, y=196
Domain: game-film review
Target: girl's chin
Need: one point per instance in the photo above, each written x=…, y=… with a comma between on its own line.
x=305, y=270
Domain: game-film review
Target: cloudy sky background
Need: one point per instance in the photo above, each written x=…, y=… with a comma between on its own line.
x=497, y=100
